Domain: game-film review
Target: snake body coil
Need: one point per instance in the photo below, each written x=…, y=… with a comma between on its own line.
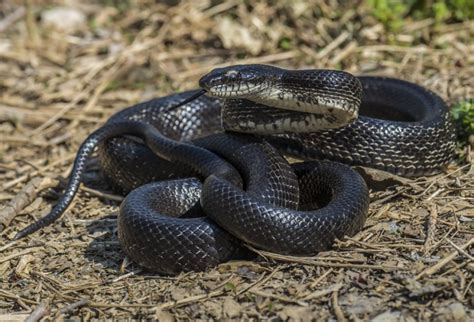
x=227, y=187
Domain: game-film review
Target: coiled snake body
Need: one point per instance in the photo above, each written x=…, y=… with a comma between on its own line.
x=221, y=187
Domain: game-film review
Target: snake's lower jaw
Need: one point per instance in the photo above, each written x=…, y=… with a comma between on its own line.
x=233, y=91
x=282, y=124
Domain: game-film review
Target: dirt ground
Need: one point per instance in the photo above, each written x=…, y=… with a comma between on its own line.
x=63, y=74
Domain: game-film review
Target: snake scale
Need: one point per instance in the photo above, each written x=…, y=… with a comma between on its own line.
x=204, y=176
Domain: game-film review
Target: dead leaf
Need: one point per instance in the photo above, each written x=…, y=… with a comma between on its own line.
x=296, y=313
x=231, y=307
x=236, y=36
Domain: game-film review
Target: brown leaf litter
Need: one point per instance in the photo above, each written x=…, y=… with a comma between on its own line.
x=413, y=261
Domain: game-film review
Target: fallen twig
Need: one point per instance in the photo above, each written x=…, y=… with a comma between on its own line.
x=431, y=231
x=316, y=261
x=335, y=306
x=72, y=307
x=26, y=196
x=39, y=312
x=433, y=269
x=13, y=17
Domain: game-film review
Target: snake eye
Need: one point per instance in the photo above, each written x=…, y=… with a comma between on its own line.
x=232, y=76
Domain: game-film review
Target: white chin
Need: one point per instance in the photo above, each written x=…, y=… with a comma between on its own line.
x=231, y=91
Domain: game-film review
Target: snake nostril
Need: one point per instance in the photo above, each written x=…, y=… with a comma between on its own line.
x=204, y=82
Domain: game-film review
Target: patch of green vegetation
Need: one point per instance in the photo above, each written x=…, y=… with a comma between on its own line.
x=113, y=85
x=270, y=306
x=93, y=24
x=389, y=12
x=463, y=114
x=121, y=5
x=393, y=12
x=117, y=84
x=454, y=9
x=285, y=44
x=229, y=287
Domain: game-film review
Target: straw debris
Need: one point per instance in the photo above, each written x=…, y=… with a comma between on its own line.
x=413, y=260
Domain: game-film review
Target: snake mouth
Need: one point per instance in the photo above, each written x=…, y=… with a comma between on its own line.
x=242, y=90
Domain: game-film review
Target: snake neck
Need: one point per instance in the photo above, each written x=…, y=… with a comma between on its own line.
x=312, y=91
x=296, y=102
x=331, y=97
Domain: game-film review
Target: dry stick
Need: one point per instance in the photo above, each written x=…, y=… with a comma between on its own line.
x=462, y=251
x=435, y=194
x=20, y=300
x=319, y=293
x=31, y=27
x=5, y=197
x=439, y=242
x=10, y=244
x=349, y=260
x=278, y=297
x=467, y=288
x=22, y=178
x=410, y=28
x=322, y=30
x=36, y=118
x=57, y=292
x=364, y=244
x=25, y=197
x=433, y=269
x=333, y=45
x=122, y=277
x=9, y=20
x=431, y=232
x=39, y=312
x=392, y=48
x=259, y=282
x=71, y=307
x=122, y=305
x=21, y=60
x=103, y=195
x=14, y=317
x=225, y=282
x=437, y=179
x=312, y=261
x=320, y=278
x=217, y=292
x=384, y=209
x=337, y=309
x=24, y=252
x=346, y=51
x=224, y=6
x=23, y=141
x=455, y=268
x=390, y=196
x=191, y=299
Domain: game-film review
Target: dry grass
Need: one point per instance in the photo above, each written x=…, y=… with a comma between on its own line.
x=413, y=261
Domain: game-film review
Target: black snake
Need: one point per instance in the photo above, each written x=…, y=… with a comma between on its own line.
x=222, y=188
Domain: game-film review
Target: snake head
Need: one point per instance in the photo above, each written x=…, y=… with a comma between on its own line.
x=238, y=81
